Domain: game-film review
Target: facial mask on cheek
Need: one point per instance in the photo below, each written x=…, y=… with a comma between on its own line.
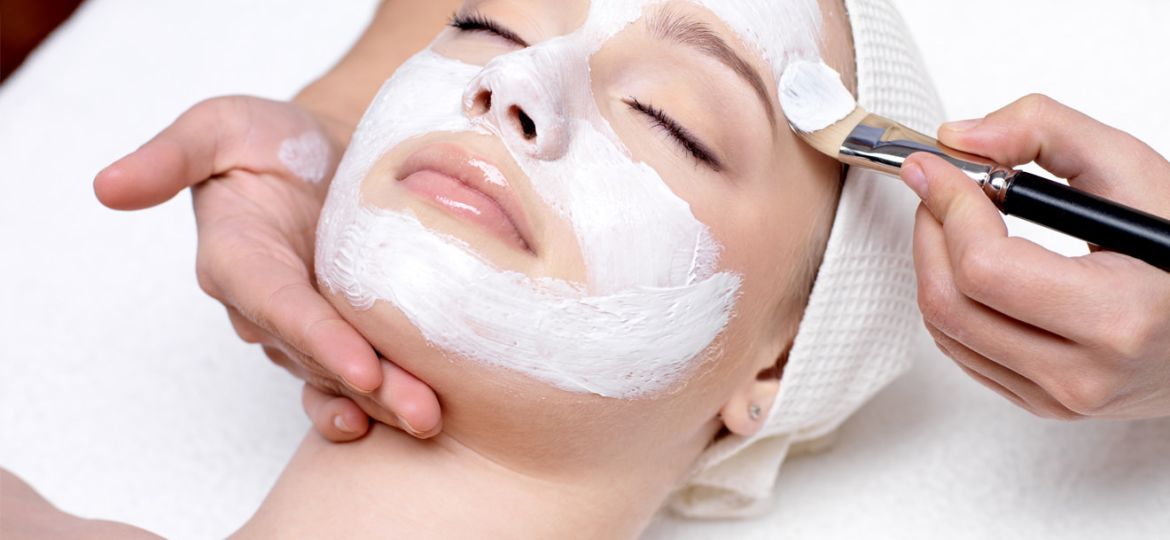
x=622, y=345
x=634, y=330
x=653, y=302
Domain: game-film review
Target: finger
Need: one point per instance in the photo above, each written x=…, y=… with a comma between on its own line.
x=992, y=385
x=413, y=403
x=279, y=298
x=1091, y=155
x=1013, y=276
x=307, y=370
x=248, y=332
x=1017, y=345
x=402, y=402
x=975, y=336
x=196, y=146
x=1004, y=381
x=207, y=140
x=336, y=418
x=951, y=196
x=281, y=359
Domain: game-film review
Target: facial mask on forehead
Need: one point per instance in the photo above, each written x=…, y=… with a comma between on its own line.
x=653, y=301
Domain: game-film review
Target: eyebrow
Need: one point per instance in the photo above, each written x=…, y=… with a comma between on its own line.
x=671, y=26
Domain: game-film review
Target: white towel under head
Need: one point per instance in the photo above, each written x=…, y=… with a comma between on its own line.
x=857, y=330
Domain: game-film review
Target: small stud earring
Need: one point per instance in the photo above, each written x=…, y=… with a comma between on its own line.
x=754, y=411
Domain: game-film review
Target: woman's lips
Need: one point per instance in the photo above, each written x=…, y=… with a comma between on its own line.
x=466, y=187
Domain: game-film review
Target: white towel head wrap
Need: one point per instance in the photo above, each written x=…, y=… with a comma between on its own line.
x=857, y=329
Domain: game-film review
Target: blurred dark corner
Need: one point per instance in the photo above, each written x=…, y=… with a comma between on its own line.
x=23, y=24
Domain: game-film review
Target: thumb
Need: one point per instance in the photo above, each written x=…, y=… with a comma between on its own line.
x=207, y=140
x=969, y=219
x=1092, y=156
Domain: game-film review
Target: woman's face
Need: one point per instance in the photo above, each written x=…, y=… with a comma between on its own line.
x=570, y=218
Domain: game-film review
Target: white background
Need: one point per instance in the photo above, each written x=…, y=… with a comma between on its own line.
x=125, y=395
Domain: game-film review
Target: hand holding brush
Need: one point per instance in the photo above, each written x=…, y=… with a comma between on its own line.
x=1063, y=337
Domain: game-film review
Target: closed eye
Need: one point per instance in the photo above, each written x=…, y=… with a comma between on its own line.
x=477, y=22
x=681, y=135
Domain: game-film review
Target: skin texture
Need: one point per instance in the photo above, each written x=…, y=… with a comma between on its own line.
x=1063, y=337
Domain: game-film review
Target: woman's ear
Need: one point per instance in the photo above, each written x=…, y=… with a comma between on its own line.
x=747, y=409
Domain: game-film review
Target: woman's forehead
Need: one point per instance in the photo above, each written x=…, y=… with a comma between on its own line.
x=779, y=31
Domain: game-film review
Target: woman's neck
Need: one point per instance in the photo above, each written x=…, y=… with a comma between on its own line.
x=390, y=485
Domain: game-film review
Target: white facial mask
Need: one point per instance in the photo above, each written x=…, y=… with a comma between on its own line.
x=306, y=156
x=813, y=96
x=780, y=30
x=654, y=300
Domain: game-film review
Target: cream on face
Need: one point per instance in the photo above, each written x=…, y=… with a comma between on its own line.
x=813, y=96
x=306, y=156
x=654, y=299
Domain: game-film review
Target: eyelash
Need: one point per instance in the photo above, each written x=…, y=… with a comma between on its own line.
x=681, y=135
x=475, y=22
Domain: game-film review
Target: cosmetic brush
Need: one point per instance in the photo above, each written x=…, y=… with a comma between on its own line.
x=867, y=140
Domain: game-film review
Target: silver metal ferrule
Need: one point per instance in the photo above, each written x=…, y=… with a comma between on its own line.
x=881, y=144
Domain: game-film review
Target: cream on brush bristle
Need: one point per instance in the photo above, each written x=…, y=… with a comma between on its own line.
x=828, y=140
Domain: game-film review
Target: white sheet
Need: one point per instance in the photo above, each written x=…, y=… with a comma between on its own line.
x=125, y=395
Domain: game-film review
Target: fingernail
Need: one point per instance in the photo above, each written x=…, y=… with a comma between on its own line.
x=962, y=125
x=406, y=425
x=915, y=177
x=353, y=386
x=340, y=424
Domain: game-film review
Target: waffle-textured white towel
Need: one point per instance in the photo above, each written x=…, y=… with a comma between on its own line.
x=856, y=333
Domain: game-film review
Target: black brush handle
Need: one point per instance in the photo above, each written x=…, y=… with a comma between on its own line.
x=1095, y=220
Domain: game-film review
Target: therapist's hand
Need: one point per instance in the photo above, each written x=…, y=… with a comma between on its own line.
x=1063, y=337
x=257, y=215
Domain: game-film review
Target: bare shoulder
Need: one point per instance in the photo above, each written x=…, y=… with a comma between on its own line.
x=26, y=515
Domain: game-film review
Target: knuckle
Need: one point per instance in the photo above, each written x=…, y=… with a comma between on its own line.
x=205, y=271
x=273, y=304
x=941, y=346
x=938, y=337
x=249, y=334
x=976, y=271
x=1056, y=412
x=282, y=309
x=1087, y=395
x=219, y=104
x=312, y=332
x=222, y=115
x=1034, y=108
x=205, y=277
x=276, y=357
x=1132, y=339
x=210, y=263
x=935, y=301
x=326, y=385
x=309, y=367
x=211, y=107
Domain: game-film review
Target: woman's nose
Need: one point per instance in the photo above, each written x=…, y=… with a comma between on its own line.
x=529, y=114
